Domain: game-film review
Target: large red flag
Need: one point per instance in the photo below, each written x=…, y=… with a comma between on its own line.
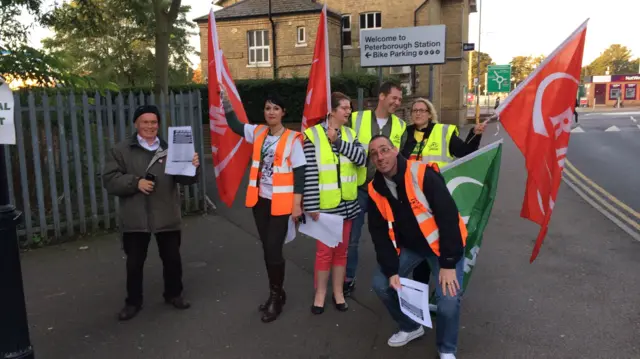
x=538, y=116
x=231, y=153
x=316, y=104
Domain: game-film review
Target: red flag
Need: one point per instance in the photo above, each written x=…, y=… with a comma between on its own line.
x=316, y=104
x=538, y=116
x=231, y=153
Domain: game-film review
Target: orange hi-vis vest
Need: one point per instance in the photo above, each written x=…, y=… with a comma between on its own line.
x=413, y=179
x=282, y=197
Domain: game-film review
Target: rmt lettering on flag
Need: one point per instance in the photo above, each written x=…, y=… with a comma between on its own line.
x=537, y=115
x=218, y=122
x=231, y=153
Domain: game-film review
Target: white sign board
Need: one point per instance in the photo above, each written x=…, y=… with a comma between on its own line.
x=7, y=127
x=402, y=46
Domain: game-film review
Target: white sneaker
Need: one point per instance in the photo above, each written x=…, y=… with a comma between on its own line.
x=447, y=356
x=402, y=338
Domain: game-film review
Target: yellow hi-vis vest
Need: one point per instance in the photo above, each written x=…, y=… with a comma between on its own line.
x=361, y=122
x=435, y=149
x=333, y=187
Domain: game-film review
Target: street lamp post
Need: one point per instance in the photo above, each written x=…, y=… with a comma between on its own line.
x=478, y=59
x=14, y=330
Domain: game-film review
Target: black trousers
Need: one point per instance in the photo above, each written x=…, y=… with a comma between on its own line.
x=135, y=246
x=272, y=231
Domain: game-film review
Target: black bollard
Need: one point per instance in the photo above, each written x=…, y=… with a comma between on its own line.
x=14, y=330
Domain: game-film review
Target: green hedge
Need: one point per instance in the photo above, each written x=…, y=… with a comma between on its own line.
x=253, y=93
x=292, y=91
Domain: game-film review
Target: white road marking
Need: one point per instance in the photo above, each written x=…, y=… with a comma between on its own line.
x=577, y=130
x=613, y=128
x=610, y=113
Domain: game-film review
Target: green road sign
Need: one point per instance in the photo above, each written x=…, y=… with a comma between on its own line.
x=498, y=78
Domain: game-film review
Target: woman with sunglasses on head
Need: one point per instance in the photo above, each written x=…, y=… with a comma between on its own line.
x=276, y=183
x=430, y=141
x=331, y=186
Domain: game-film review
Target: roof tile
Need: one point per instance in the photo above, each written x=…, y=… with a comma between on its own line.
x=254, y=8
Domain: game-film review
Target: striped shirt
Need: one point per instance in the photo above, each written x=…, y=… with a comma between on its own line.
x=354, y=152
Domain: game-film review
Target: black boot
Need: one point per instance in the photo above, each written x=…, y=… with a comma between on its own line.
x=273, y=274
x=276, y=295
x=283, y=298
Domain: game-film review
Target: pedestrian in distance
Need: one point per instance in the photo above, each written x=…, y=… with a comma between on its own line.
x=368, y=123
x=430, y=141
x=274, y=193
x=412, y=218
x=333, y=156
x=149, y=204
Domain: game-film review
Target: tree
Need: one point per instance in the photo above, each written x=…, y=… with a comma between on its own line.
x=520, y=69
x=197, y=75
x=485, y=60
x=114, y=40
x=166, y=12
x=22, y=62
x=523, y=66
x=615, y=60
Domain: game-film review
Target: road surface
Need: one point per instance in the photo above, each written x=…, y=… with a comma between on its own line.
x=604, y=149
x=575, y=301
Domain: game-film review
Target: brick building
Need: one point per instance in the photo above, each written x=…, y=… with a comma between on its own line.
x=607, y=89
x=247, y=38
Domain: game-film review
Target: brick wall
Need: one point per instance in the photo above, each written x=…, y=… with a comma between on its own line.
x=448, y=79
x=293, y=59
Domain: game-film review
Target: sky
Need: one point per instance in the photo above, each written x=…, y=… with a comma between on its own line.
x=542, y=25
x=537, y=28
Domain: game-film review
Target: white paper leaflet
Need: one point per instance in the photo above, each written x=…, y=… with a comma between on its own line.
x=180, y=152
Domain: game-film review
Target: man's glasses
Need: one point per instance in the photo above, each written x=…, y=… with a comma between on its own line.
x=381, y=151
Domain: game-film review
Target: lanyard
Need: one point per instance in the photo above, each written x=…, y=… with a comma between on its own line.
x=422, y=144
x=263, y=150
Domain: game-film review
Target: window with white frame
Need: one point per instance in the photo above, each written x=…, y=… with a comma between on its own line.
x=371, y=20
x=301, y=35
x=258, y=41
x=346, y=30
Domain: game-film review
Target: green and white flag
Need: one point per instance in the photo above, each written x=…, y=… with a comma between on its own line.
x=473, y=181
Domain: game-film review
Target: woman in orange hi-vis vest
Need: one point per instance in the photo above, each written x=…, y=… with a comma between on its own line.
x=276, y=183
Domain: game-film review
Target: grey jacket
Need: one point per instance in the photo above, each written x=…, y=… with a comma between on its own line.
x=128, y=162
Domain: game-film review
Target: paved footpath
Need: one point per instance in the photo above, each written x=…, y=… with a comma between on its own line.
x=578, y=300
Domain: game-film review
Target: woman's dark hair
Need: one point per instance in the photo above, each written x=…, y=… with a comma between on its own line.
x=336, y=97
x=275, y=99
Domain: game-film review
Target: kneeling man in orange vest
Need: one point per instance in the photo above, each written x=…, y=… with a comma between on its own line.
x=412, y=217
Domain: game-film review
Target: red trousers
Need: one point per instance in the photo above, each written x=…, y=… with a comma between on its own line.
x=326, y=257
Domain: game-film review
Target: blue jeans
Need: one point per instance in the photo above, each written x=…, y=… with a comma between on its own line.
x=356, y=231
x=448, y=313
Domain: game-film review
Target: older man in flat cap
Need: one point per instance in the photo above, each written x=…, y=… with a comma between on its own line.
x=149, y=204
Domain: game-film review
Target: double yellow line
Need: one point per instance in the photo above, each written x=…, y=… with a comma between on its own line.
x=624, y=216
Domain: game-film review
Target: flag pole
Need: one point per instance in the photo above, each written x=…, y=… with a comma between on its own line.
x=478, y=60
x=326, y=54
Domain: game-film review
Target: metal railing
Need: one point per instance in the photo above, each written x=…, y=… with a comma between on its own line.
x=55, y=168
